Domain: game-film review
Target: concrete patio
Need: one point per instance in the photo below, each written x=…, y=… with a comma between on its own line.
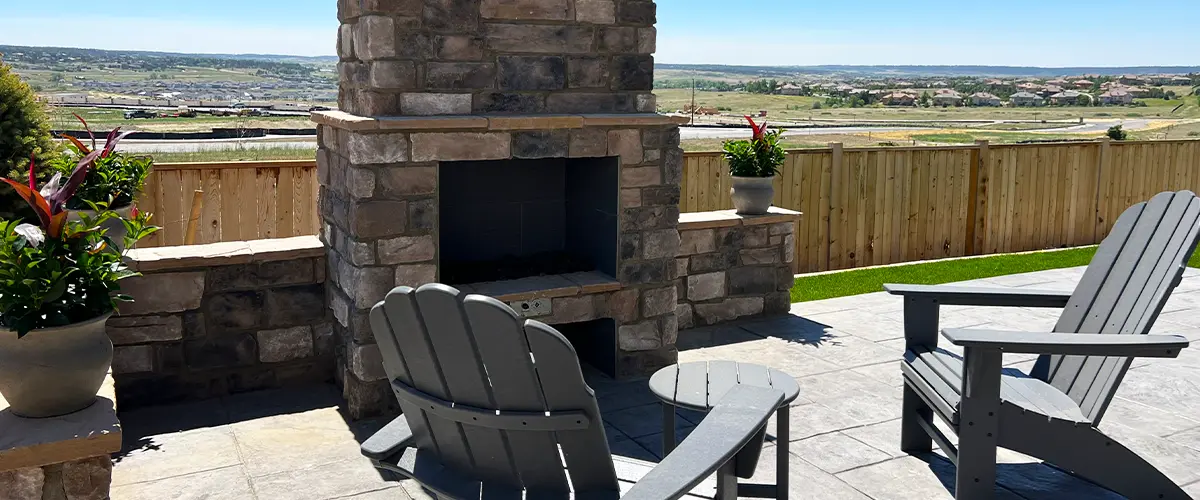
x=296, y=444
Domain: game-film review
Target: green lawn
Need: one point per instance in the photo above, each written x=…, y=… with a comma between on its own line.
x=854, y=282
x=247, y=154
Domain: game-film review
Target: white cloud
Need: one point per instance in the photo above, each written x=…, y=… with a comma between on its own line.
x=129, y=33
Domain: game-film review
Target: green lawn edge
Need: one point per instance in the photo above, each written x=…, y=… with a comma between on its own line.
x=860, y=281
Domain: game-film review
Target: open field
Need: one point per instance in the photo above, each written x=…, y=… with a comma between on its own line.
x=105, y=119
x=238, y=154
x=800, y=108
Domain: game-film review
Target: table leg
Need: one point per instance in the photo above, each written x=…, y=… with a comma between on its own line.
x=782, y=452
x=668, y=426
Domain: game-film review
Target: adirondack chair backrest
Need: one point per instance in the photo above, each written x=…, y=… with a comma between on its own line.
x=476, y=381
x=1124, y=288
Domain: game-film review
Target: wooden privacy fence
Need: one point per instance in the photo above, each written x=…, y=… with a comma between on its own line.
x=241, y=200
x=876, y=206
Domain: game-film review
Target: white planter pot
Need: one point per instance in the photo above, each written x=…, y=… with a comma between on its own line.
x=116, y=230
x=54, y=371
x=752, y=195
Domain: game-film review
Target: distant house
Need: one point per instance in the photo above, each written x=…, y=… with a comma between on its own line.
x=1132, y=80
x=898, y=99
x=1058, y=82
x=1116, y=97
x=984, y=99
x=791, y=89
x=1026, y=99
x=1069, y=97
x=1181, y=80
x=1050, y=90
x=947, y=97
x=1083, y=84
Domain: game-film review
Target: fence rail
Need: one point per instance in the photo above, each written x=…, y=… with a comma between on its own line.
x=862, y=206
x=241, y=200
x=875, y=206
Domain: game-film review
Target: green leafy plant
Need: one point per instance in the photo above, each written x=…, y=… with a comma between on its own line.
x=1116, y=133
x=761, y=156
x=24, y=132
x=59, y=272
x=114, y=179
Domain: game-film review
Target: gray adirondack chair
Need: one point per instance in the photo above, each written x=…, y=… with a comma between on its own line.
x=1052, y=413
x=495, y=405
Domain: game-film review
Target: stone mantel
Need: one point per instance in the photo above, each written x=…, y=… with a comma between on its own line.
x=36, y=442
x=348, y=121
x=730, y=218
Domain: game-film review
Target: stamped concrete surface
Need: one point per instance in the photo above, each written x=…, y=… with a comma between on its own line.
x=296, y=444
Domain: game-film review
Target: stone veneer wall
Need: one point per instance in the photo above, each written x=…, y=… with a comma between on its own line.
x=731, y=266
x=216, y=319
x=461, y=57
x=86, y=479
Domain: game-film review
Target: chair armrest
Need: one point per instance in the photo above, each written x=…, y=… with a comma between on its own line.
x=728, y=427
x=1081, y=344
x=974, y=296
x=389, y=440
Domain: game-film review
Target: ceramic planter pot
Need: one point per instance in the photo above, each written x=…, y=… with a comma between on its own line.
x=116, y=230
x=54, y=371
x=752, y=195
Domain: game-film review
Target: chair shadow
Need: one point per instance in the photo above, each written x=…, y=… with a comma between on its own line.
x=1028, y=480
x=790, y=328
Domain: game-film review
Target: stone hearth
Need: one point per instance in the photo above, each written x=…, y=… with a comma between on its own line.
x=548, y=93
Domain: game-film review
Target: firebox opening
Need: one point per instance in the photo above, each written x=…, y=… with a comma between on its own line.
x=595, y=342
x=511, y=219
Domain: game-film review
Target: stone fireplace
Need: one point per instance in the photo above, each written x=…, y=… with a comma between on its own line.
x=510, y=148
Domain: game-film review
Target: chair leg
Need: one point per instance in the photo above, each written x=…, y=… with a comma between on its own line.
x=978, y=425
x=913, y=438
x=975, y=477
x=668, y=425
x=782, y=452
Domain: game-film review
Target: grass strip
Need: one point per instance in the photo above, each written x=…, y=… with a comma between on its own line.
x=859, y=281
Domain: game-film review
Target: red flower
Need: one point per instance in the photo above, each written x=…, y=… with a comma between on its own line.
x=759, y=130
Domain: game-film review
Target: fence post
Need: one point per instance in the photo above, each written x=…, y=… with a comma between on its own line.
x=1105, y=161
x=977, y=198
x=833, y=243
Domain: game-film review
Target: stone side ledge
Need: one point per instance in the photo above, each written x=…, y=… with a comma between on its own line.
x=347, y=121
x=36, y=442
x=227, y=253
x=730, y=218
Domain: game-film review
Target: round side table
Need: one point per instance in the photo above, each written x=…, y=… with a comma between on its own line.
x=700, y=385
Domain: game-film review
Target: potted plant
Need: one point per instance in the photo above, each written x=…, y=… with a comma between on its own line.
x=112, y=183
x=59, y=283
x=753, y=165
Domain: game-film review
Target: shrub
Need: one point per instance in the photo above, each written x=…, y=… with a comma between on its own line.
x=816, y=105
x=1193, y=134
x=761, y=156
x=24, y=133
x=114, y=179
x=1116, y=133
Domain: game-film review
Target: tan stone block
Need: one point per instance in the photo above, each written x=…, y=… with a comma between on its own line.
x=428, y=104
x=681, y=267
x=549, y=10
x=631, y=198
x=641, y=177
x=572, y=309
x=367, y=149
x=392, y=75
x=627, y=144
x=22, y=484
x=459, y=48
x=345, y=41
x=646, y=37
x=360, y=182
x=684, y=316
x=549, y=39
x=760, y=256
x=588, y=143
x=459, y=146
x=659, y=301
x=378, y=219
x=405, y=181
x=375, y=37
x=87, y=479
x=697, y=242
x=789, y=248
x=642, y=336
x=425, y=124
x=661, y=244
x=415, y=275
x=163, y=293
x=285, y=344
x=705, y=286
x=595, y=11
x=366, y=362
x=406, y=249
x=133, y=359
x=623, y=305
x=341, y=120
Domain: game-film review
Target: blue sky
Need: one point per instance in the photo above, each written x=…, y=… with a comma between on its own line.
x=766, y=32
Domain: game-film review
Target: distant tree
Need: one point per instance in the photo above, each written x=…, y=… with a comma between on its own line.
x=1116, y=133
x=57, y=77
x=816, y=105
x=925, y=99
x=24, y=131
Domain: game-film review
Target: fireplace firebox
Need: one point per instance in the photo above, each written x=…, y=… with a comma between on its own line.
x=512, y=219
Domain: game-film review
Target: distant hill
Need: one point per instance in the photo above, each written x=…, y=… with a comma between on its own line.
x=118, y=54
x=997, y=71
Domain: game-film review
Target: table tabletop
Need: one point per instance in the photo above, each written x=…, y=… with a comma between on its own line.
x=700, y=385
